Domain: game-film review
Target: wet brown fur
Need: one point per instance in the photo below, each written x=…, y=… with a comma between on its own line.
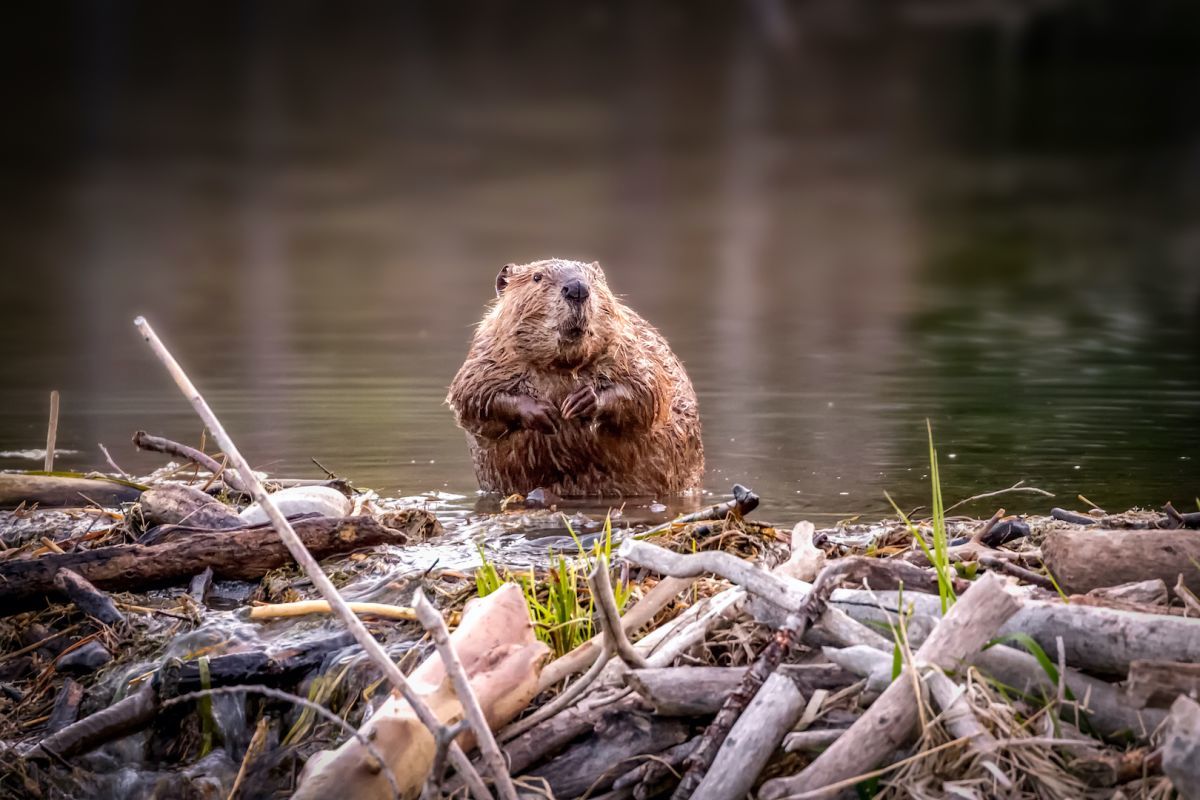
x=534, y=347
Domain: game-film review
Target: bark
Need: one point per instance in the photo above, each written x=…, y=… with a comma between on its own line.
x=239, y=555
x=1181, y=748
x=1158, y=683
x=1082, y=560
x=53, y=491
x=87, y=598
x=613, y=749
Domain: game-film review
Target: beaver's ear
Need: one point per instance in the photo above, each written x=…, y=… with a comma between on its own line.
x=502, y=278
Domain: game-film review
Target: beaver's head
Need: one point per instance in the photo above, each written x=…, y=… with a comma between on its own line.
x=554, y=313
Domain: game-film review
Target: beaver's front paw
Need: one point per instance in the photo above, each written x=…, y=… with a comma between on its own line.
x=583, y=403
x=537, y=415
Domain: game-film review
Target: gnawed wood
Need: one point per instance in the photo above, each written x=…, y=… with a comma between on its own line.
x=1158, y=683
x=501, y=657
x=179, y=504
x=240, y=555
x=54, y=491
x=1082, y=560
x=890, y=722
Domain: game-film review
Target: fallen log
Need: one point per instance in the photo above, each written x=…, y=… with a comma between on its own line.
x=752, y=740
x=1082, y=560
x=1094, y=638
x=239, y=555
x=700, y=691
x=501, y=657
x=596, y=762
x=58, y=491
x=179, y=504
x=891, y=721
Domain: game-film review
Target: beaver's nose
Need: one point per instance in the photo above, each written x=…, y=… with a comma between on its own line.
x=575, y=290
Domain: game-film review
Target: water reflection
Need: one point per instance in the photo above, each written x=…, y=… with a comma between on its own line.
x=845, y=220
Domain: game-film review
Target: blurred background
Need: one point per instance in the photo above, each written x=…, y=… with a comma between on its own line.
x=846, y=216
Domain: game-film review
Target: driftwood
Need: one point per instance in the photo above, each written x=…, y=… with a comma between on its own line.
x=1170, y=520
x=87, y=598
x=1094, y=638
x=617, y=741
x=142, y=707
x=55, y=491
x=158, y=444
x=1106, y=707
x=755, y=678
x=1181, y=748
x=501, y=657
x=700, y=691
x=752, y=740
x=240, y=555
x=179, y=504
x=66, y=706
x=1158, y=683
x=556, y=733
x=431, y=620
x=1087, y=559
x=890, y=722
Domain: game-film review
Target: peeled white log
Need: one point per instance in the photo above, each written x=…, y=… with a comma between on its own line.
x=323, y=500
x=502, y=658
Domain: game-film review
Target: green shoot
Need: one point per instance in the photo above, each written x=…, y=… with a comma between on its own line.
x=204, y=704
x=938, y=555
x=1057, y=588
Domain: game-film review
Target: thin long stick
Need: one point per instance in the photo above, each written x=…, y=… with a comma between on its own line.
x=52, y=431
x=295, y=546
x=306, y=607
x=431, y=619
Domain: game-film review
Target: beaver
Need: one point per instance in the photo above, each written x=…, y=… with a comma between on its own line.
x=565, y=388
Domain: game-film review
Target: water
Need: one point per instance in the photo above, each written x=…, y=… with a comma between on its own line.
x=845, y=221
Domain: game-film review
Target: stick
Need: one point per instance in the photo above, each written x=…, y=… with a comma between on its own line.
x=432, y=621
x=1010, y=568
x=108, y=457
x=157, y=444
x=891, y=720
x=744, y=501
x=1019, y=486
x=585, y=654
x=306, y=607
x=372, y=648
x=52, y=431
x=609, y=617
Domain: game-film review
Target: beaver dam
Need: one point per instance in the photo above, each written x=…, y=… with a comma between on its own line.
x=209, y=631
x=159, y=641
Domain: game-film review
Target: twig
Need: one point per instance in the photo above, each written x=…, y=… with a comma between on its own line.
x=744, y=501
x=52, y=431
x=875, y=773
x=373, y=649
x=609, y=617
x=431, y=619
x=158, y=444
x=1019, y=486
x=108, y=457
x=1010, y=568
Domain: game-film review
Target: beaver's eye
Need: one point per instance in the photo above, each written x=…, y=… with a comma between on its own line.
x=537, y=277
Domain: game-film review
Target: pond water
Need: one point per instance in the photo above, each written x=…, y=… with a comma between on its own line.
x=845, y=220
